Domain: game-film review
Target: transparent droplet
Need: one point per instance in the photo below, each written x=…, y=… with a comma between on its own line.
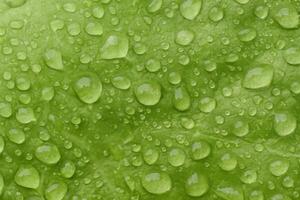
x=28, y=177
x=242, y=1
x=2, y=145
x=228, y=162
x=150, y=156
x=228, y=192
x=48, y=154
x=153, y=65
x=249, y=177
x=121, y=82
x=200, y=150
x=157, y=182
x=240, y=128
x=196, y=185
x=247, y=34
x=207, y=104
x=286, y=16
x=47, y=93
x=256, y=195
x=56, y=191
x=115, y=46
x=189, y=9
x=67, y=170
x=25, y=115
x=88, y=87
x=5, y=109
x=182, y=100
x=258, y=77
x=176, y=157
x=184, y=37
x=94, y=29
x=292, y=55
x=279, y=167
x=285, y=123
x=154, y=5
x=261, y=12
x=15, y=3
x=174, y=78
x=148, y=93
x=16, y=136
x=216, y=14
x=53, y=59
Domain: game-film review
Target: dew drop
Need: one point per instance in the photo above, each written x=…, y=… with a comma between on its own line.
x=200, y=150
x=48, y=154
x=292, y=55
x=279, y=167
x=53, y=59
x=207, y=104
x=157, y=182
x=121, y=82
x=258, y=77
x=196, y=185
x=284, y=123
x=190, y=8
x=228, y=162
x=28, y=177
x=184, y=37
x=16, y=136
x=56, y=191
x=115, y=46
x=182, y=100
x=148, y=93
x=176, y=157
x=25, y=115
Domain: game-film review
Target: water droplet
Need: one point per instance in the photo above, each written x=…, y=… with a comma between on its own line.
x=230, y=193
x=5, y=109
x=184, y=37
x=247, y=34
x=15, y=3
x=47, y=93
x=190, y=8
x=249, y=177
x=258, y=77
x=279, y=167
x=28, y=177
x=150, y=156
x=67, y=170
x=240, y=128
x=148, y=93
x=200, y=150
x=280, y=197
x=196, y=185
x=121, y=82
x=182, y=100
x=292, y=55
x=1, y=184
x=2, y=145
x=216, y=14
x=284, y=123
x=157, y=182
x=176, y=157
x=98, y=12
x=48, y=154
x=115, y=46
x=242, y=1
x=74, y=29
x=56, y=191
x=261, y=12
x=154, y=5
x=288, y=182
x=174, y=78
x=16, y=135
x=286, y=16
x=53, y=59
x=94, y=29
x=88, y=87
x=256, y=195
x=207, y=104
x=228, y=162
x=23, y=83
x=25, y=115
x=153, y=65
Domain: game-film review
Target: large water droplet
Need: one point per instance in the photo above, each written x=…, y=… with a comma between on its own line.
x=200, y=150
x=48, y=154
x=88, y=88
x=94, y=29
x=279, y=167
x=25, y=115
x=157, y=182
x=154, y=5
x=249, y=177
x=258, y=77
x=67, y=170
x=53, y=59
x=256, y=195
x=227, y=192
x=184, y=37
x=15, y=3
x=28, y=177
x=228, y=162
x=247, y=34
x=240, y=128
x=261, y=12
x=292, y=55
x=5, y=109
x=16, y=135
x=176, y=157
x=196, y=185
x=150, y=156
x=286, y=16
x=284, y=123
x=115, y=46
x=190, y=8
x=216, y=14
x=182, y=100
x=148, y=93
x=121, y=82
x=56, y=191
x=207, y=104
